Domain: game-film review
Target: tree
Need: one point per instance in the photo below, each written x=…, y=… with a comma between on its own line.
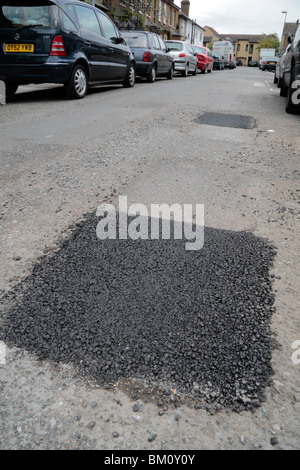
x=270, y=42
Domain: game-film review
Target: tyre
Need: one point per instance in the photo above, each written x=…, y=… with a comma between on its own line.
x=170, y=73
x=284, y=88
x=186, y=71
x=292, y=104
x=151, y=77
x=77, y=85
x=195, y=72
x=130, y=77
x=11, y=88
x=209, y=71
x=275, y=78
x=204, y=70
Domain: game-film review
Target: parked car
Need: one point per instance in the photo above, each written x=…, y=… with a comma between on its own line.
x=185, y=60
x=150, y=53
x=218, y=62
x=279, y=68
x=61, y=41
x=253, y=63
x=291, y=75
x=205, y=58
x=269, y=63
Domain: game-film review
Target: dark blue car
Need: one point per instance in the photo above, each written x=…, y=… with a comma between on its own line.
x=150, y=54
x=61, y=41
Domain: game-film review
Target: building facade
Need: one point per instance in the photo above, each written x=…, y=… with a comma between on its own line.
x=246, y=46
x=162, y=16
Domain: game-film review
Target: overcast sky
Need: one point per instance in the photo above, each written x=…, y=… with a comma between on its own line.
x=244, y=16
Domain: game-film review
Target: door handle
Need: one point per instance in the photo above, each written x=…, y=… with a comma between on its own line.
x=87, y=43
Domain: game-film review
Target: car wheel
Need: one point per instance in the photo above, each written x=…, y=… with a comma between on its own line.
x=195, y=71
x=275, y=79
x=186, y=71
x=11, y=88
x=151, y=77
x=209, y=71
x=76, y=87
x=170, y=73
x=292, y=105
x=204, y=70
x=130, y=77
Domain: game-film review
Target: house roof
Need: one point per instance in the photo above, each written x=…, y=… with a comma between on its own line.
x=290, y=28
x=254, y=38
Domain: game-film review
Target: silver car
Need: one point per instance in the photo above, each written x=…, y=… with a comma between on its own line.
x=185, y=60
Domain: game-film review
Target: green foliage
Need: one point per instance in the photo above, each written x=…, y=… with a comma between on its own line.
x=270, y=42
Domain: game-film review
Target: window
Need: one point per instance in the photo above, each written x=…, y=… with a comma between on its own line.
x=159, y=11
x=251, y=49
x=238, y=47
x=155, y=42
x=109, y=29
x=66, y=23
x=162, y=45
x=43, y=16
x=246, y=48
x=165, y=13
x=88, y=20
x=135, y=39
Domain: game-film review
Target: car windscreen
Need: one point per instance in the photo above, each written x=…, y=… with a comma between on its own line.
x=136, y=40
x=200, y=50
x=174, y=46
x=17, y=14
x=217, y=57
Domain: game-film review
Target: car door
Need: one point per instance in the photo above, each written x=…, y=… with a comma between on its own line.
x=118, y=51
x=168, y=60
x=192, y=58
x=95, y=46
x=157, y=53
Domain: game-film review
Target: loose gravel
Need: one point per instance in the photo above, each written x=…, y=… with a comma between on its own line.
x=198, y=322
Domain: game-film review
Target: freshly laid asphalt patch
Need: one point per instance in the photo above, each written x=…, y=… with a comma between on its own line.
x=237, y=121
x=198, y=321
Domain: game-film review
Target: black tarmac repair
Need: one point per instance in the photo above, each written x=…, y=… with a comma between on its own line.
x=196, y=320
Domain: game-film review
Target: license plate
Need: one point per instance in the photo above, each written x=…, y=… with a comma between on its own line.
x=272, y=63
x=19, y=48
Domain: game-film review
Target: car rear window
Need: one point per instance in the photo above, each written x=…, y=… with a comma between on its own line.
x=136, y=40
x=200, y=50
x=174, y=46
x=21, y=13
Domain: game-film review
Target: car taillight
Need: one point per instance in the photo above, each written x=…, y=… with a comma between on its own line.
x=58, y=47
x=200, y=56
x=182, y=54
x=147, y=57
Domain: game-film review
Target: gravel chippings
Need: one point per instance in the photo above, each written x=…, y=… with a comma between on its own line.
x=119, y=309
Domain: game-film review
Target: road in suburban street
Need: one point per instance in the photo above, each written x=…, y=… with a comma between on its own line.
x=60, y=160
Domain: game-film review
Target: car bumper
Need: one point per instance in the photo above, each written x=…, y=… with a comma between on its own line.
x=268, y=67
x=202, y=65
x=179, y=65
x=53, y=72
x=143, y=68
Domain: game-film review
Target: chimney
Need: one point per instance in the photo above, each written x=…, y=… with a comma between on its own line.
x=185, y=7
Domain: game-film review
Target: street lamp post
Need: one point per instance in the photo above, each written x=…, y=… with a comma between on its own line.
x=285, y=13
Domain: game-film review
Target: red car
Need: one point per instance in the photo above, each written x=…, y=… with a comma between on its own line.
x=205, y=58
